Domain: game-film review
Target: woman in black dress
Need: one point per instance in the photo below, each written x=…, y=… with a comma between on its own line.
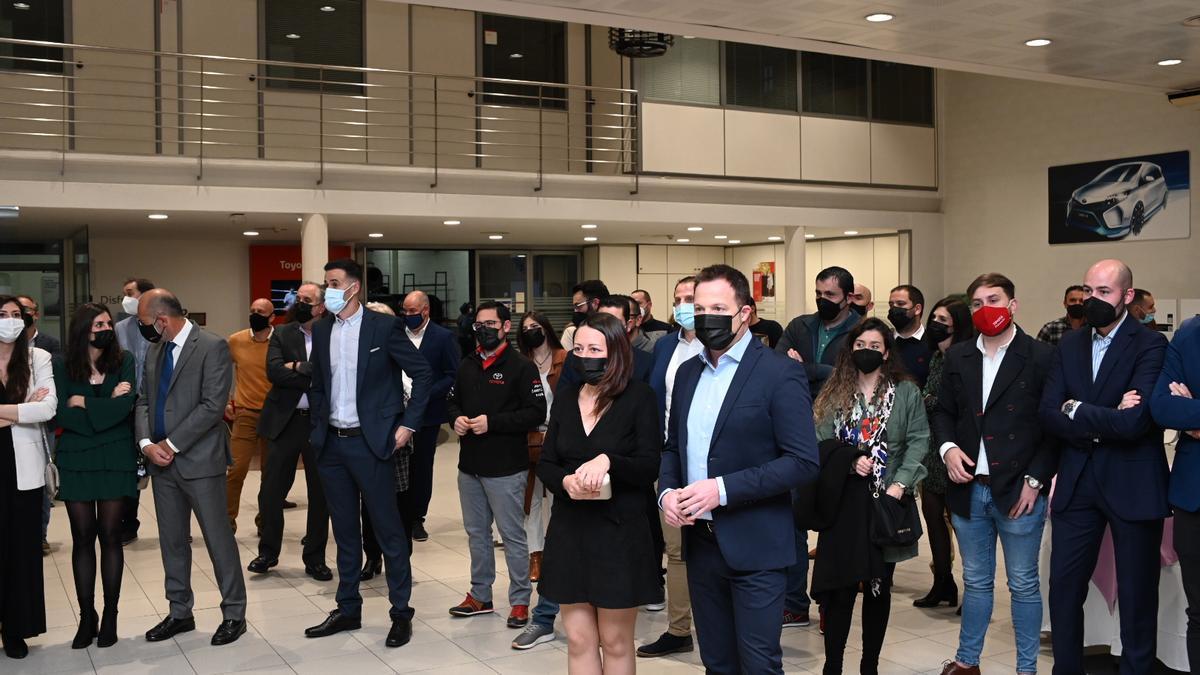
x=599, y=561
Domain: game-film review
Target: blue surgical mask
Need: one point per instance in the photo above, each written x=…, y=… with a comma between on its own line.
x=335, y=299
x=413, y=321
x=1148, y=319
x=685, y=315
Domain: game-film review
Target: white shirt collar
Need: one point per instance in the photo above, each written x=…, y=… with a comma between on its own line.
x=1004, y=347
x=915, y=336
x=181, y=339
x=354, y=318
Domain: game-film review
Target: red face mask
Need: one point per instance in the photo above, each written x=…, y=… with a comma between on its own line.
x=992, y=321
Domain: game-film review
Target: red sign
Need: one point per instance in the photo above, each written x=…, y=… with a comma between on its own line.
x=275, y=273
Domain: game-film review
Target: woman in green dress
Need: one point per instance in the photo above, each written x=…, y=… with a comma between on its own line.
x=96, y=460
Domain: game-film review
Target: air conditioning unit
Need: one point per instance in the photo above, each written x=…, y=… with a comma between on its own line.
x=1189, y=98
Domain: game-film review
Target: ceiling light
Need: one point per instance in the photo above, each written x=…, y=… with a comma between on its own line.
x=851, y=232
x=299, y=219
x=689, y=37
x=591, y=238
x=251, y=233
x=1170, y=62
x=292, y=36
x=452, y=222
x=495, y=237
x=328, y=8
x=735, y=241
x=774, y=237
x=1037, y=42
x=158, y=216
x=376, y=235
x=520, y=255
x=589, y=226
x=695, y=229
x=516, y=55
x=879, y=17
x=720, y=236
x=810, y=236
x=21, y=5
x=683, y=241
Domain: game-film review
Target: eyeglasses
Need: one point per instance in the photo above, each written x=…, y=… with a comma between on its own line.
x=580, y=306
x=485, y=324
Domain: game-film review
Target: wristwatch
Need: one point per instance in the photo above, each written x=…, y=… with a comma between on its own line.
x=1033, y=482
x=902, y=485
x=1069, y=407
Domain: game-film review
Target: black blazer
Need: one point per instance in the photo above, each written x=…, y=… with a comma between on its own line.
x=287, y=385
x=440, y=349
x=1008, y=422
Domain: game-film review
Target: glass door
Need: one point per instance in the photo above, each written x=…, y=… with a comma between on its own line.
x=35, y=269
x=529, y=280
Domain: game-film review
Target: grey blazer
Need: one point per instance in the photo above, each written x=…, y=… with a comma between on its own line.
x=195, y=404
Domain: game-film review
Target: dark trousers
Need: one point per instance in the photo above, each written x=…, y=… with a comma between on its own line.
x=350, y=471
x=421, y=465
x=738, y=614
x=656, y=534
x=279, y=472
x=406, y=506
x=129, y=515
x=1187, y=545
x=933, y=506
x=1075, y=545
x=839, y=611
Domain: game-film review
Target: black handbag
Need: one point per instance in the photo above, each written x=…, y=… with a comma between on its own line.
x=895, y=522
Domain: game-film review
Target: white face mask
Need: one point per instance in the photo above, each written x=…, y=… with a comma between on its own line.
x=129, y=304
x=11, y=329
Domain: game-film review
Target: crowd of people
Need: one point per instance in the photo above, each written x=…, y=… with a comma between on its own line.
x=624, y=462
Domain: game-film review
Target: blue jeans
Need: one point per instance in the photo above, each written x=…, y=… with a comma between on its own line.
x=1021, y=539
x=796, y=601
x=545, y=611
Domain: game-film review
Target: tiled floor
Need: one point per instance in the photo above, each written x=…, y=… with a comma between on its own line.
x=283, y=603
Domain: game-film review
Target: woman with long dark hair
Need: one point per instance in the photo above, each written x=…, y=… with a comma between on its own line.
x=601, y=455
x=97, y=462
x=539, y=343
x=27, y=402
x=949, y=323
x=871, y=422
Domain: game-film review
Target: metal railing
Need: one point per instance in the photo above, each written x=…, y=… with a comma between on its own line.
x=85, y=98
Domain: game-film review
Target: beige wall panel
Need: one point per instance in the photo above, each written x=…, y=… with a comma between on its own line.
x=41, y=111
x=835, y=150
x=652, y=259
x=887, y=269
x=683, y=139
x=746, y=259
x=903, y=155
x=443, y=41
x=662, y=293
x=618, y=268
x=762, y=145
x=114, y=93
x=223, y=28
x=513, y=140
x=387, y=47
x=613, y=115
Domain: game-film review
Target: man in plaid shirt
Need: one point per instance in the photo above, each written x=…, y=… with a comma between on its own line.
x=1073, y=302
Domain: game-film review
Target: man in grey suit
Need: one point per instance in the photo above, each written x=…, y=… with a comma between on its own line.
x=178, y=419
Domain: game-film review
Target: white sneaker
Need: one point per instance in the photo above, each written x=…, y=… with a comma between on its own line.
x=533, y=635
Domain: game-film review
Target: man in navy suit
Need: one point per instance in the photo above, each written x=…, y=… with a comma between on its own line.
x=1175, y=408
x=1112, y=469
x=359, y=422
x=740, y=438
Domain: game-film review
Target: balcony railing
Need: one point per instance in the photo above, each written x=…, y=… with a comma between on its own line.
x=86, y=98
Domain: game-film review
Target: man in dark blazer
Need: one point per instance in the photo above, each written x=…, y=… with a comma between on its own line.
x=440, y=349
x=1000, y=464
x=359, y=423
x=179, y=421
x=286, y=422
x=1175, y=407
x=643, y=361
x=740, y=439
x=815, y=340
x=1112, y=471
x=38, y=339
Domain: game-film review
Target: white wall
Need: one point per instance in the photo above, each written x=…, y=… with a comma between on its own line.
x=1001, y=135
x=878, y=263
x=209, y=276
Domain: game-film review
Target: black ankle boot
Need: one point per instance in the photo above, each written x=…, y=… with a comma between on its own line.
x=15, y=647
x=88, y=623
x=944, y=590
x=107, y=636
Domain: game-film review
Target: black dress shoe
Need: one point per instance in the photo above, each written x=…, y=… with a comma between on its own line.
x=261, y=565
x=15, y=648
x=419, y=533
x=229, y=631
x=289, y=505
x=370, y=570
x=320, y=572
x=169, y=628
x=335, y=623
x=400, y=633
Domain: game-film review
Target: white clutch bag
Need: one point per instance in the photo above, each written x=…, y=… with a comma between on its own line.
x=605, y=490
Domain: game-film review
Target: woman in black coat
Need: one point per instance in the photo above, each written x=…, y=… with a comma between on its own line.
x=599, y=561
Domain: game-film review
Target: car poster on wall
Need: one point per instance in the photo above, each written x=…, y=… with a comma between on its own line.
x=1130, y=199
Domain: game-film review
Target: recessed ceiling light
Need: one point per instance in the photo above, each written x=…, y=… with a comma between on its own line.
x=375, y=235
x=328, y=8
x=158, y=216
x=683, y=241
x=516, y=55
x=810, y=236
x=851, y=232
x=1037, y=42
x=251, y=233
x=735, y=241
x=720, y=236
x=689, y=37
x=695, y=229
x=591, y=238
x=1170, y=62
x=495, y=237
x=879, y=17
x=21, y=5
x=589, y=226
x=292, y=36
x=452, y=222
x=299, y=219
x=774, y=237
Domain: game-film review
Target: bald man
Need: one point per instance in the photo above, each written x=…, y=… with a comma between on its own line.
x=248, y=348
x=1112, y=469
x=861, y=300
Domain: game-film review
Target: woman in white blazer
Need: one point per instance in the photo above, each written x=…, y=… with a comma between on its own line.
x=27, y=402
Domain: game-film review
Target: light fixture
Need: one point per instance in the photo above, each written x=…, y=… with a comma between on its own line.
x=810, y=236
x=735, y=241
x=299, y=219
x=158, y=216
x=21, y=5
x=520, y=255
x=689, y=37
x=495, y=237
x=695, y=228
x=589, y=226
x=851, y=232
x=516, y=55
x=10, y=211
x=591, y=238
x=328, y=8
x=452, y=222
x=1170, y=62
x=251, y=233
x=292, y=36
x=376, y=235
x=774, y=237
x=720, y=236
x=1037, y=42
x=683, y=241
x=879, y=17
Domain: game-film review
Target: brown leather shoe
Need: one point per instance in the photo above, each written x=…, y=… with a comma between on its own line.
x=952, y=668
x=535, y=566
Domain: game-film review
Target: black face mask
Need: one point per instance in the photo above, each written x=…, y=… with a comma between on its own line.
x=149, y=333
x=1075, y=311
x=591, y=369
x=715, y=331
x=828, y=309
x=1099, y=313
x=302, y=312
x=577, y=318
x=899, y=318
x=101, y=339
x=488, y=337
x=534, y=337
x=935, y=332
x=259, y=322
x=867, y=360
x=860, y=310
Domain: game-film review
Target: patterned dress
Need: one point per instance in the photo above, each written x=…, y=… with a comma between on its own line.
x=938, y=479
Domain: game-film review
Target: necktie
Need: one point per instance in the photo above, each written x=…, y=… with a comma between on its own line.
x=164, y=385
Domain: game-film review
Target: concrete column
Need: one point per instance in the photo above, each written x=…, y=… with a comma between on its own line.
x=795, y=276
x=314, y=247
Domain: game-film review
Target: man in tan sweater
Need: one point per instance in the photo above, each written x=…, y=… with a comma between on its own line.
x=248, y=348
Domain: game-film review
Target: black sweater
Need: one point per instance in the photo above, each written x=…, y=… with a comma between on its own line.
x=509, y=392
